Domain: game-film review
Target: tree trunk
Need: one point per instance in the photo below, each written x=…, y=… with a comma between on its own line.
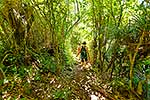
x=132, y=61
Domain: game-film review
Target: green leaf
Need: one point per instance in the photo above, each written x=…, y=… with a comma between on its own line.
x=1, y=82
x=139, y=88
x=37, y=77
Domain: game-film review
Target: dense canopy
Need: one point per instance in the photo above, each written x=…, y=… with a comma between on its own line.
x=38, y=48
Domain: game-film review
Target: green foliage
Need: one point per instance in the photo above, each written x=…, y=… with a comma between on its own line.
x=48, y=63
x=61, y=94
x=141, y=71
x=112, y=27
x=1, y=50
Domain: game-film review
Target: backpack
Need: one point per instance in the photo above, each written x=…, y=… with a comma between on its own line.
x=83, y=52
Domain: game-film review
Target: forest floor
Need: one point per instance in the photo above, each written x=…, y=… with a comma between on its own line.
x=74, y=83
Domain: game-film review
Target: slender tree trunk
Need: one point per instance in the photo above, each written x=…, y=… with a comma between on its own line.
x=95, y=51
x=132, y=61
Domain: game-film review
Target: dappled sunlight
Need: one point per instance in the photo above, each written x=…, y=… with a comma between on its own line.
x=74, y=50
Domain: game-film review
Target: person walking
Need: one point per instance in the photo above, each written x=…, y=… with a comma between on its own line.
x=84, y=54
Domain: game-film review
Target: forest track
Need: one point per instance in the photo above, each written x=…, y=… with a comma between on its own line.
x=89, y=84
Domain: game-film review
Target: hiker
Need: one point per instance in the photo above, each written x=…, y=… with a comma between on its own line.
x=83, y=51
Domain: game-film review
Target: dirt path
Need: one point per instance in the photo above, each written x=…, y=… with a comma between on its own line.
x=73, y=83
x=88, y=83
